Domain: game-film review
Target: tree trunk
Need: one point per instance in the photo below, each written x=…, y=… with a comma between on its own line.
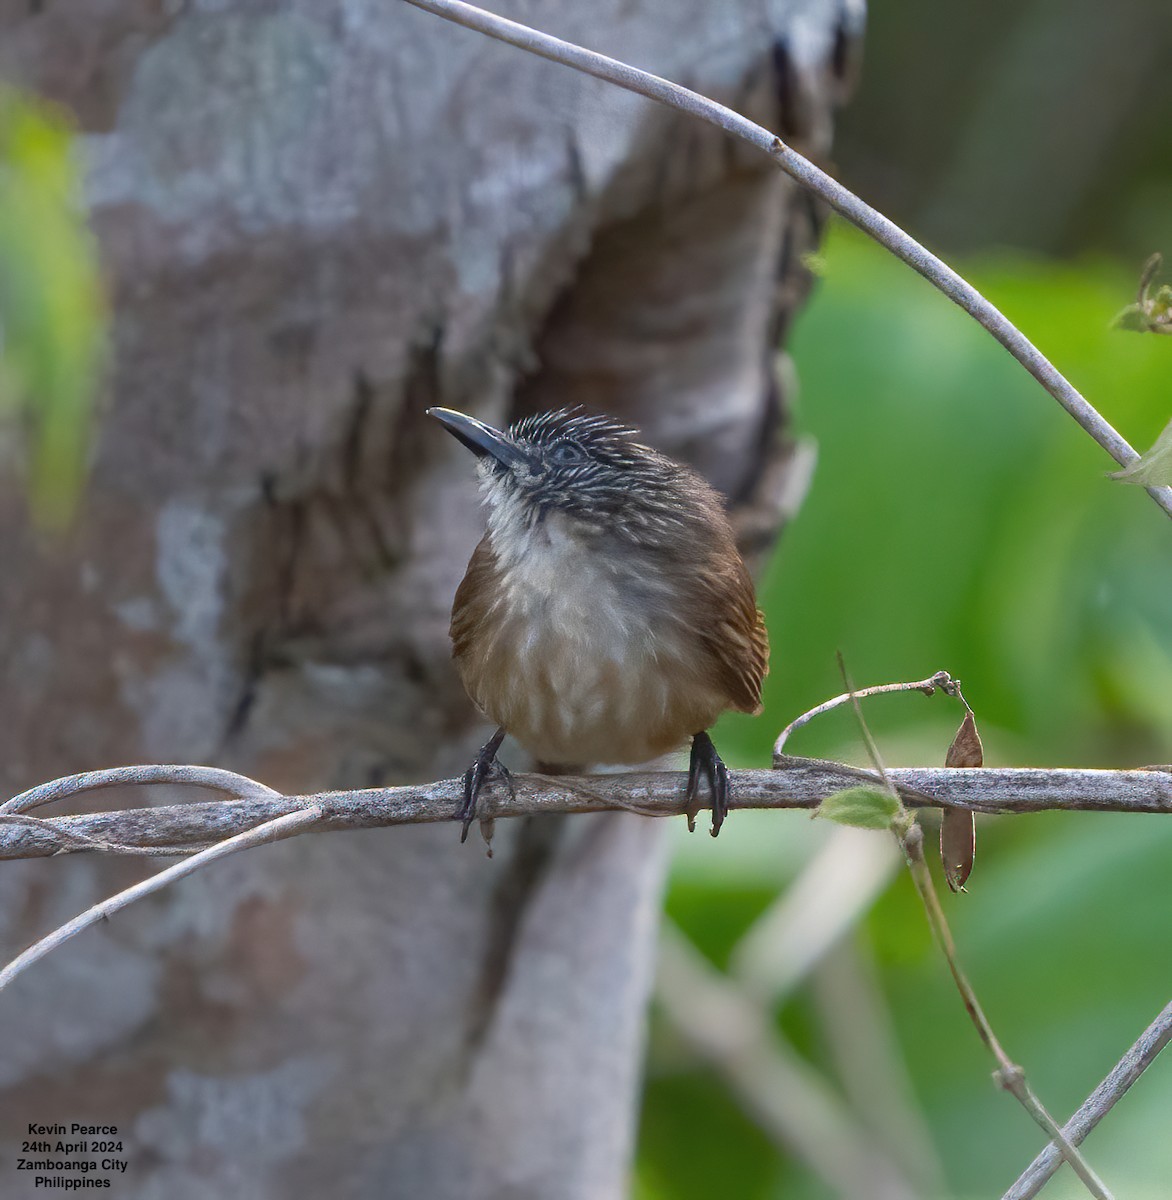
x=316, y=220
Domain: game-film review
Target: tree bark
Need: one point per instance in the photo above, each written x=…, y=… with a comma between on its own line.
x=316, y=220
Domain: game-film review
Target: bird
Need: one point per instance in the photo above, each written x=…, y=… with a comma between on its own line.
x=606, y=615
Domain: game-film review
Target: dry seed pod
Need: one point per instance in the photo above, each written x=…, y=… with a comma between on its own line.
x=958, y=830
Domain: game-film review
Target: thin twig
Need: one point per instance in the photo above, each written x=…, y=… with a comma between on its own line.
x=1009, y=1075
x=870, y=221
x=800, y=783
x=941, y=680
x=865, y=729
x=271, y=831
x=1129, y=1068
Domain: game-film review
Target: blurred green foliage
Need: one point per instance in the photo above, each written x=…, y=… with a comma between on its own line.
x=960, y=520
x=51, y=310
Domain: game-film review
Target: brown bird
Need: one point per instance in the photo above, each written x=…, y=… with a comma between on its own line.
x=606, y=615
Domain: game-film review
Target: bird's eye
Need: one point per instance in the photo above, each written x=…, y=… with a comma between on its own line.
x=565, y=454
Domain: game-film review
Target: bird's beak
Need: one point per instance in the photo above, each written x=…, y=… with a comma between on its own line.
x=481, y=439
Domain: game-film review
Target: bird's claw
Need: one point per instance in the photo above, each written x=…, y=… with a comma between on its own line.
x=474, y=779
x=704, y=759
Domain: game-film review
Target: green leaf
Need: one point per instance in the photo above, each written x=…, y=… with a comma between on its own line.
x=52, y=313
x=863, y=807
x=1153, y=469
x=1134, y=319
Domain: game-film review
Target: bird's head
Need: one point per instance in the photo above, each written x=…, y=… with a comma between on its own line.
x=584, y=467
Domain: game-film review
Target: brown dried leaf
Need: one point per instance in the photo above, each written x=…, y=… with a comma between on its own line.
x=966, y=749
x=958, y=846
x=958, y=828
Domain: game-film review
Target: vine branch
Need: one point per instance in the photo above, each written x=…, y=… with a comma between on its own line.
x=941, y=681
x=843, y=201
x=801, y=783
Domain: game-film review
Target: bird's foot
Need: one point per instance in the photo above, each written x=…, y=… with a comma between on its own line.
x=705, y=759
x=481, y=770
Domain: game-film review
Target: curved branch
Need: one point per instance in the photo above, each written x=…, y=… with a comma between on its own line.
x=941, y=681
x=271, y=831
x=859, y=213
x=793, y=783
x=214, y=779
x=1133, y=1064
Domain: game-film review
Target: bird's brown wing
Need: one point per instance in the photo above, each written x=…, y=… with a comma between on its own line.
x=737, y=642
x=473, y=597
